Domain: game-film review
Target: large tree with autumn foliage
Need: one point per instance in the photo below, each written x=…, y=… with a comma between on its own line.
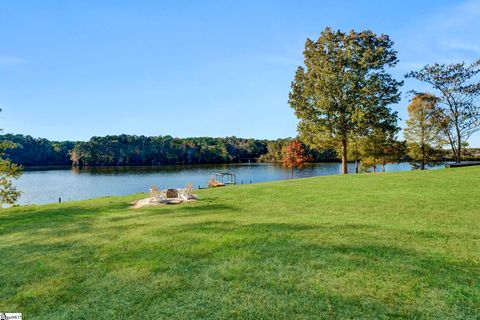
x=344, y=90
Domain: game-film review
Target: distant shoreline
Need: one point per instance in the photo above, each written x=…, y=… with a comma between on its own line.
x=53, y=167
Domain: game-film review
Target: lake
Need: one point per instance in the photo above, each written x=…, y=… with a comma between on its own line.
x=46, y=185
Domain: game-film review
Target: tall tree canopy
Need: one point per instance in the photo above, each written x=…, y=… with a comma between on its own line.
x=457, y=87
x=344, y=90
x=423, y=131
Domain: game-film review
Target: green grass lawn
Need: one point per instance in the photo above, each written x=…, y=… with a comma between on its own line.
x=393, y=245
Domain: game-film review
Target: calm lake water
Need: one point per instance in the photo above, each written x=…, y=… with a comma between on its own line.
x=46, y=185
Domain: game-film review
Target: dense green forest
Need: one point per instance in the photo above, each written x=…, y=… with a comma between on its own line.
x=31, y=151
x=124, y=150
x=141, y=150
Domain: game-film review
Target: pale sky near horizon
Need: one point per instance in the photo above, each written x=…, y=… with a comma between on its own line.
x=70, y=70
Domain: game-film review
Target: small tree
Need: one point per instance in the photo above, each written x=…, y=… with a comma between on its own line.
x=395, y=152
x=380, y=148
x=457, y=89
x=8, y=172
x=356, y=151
x=294, y=155
x=423, y=132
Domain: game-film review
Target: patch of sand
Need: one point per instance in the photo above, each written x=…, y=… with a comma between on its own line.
x=149, y=202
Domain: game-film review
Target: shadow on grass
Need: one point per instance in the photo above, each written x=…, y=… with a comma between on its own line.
x=291, y=242
x=35, y=218
x=215, y=259
x=182, y=210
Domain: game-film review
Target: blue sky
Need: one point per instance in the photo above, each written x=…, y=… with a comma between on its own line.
x=75, y=69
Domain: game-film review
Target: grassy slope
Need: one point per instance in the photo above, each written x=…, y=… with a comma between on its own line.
x=386, y=245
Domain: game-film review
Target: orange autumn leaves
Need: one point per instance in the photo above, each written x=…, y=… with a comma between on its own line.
x=294, y=155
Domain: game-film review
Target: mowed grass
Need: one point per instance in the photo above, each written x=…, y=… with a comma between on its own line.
x=393, y=245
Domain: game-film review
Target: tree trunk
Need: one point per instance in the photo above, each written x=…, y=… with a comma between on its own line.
x=292, y=172
x=356, y=165
x=422, y=163
x=452, y=144
x=458, y=154
x=344, y=157
x=383, y=166
x=458, y=157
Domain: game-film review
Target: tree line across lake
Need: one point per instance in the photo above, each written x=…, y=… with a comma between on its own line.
x=141, y=150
